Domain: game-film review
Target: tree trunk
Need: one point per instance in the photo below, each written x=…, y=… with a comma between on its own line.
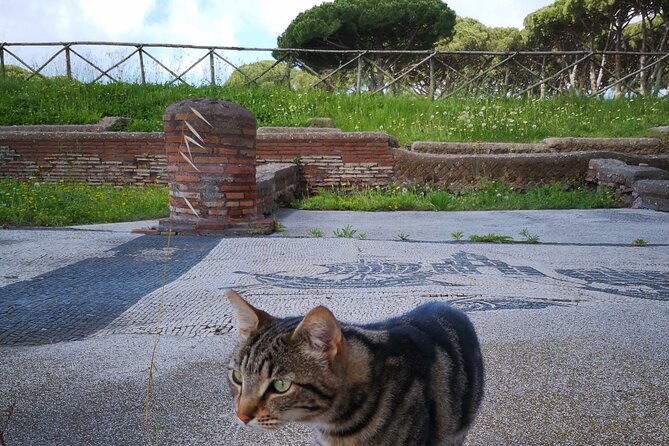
x=573, y=78
x=542, y=93
x=617, y=89
x=659, y=68
x=593, y=77
x=643, y=76
x=376, y=74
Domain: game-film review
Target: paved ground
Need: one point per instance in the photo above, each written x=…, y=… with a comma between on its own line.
x=574, y=329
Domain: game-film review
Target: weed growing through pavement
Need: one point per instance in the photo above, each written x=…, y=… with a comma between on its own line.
x=457, y=235
x=491, y=238
x=403, y=236
x=278, y=226
x=640, y=242
x=529, y=238
x=316, y=233
x=345, y=232
x=362, y=235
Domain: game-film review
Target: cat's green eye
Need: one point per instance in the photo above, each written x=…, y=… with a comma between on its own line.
x=281, y=385
x=237, y=377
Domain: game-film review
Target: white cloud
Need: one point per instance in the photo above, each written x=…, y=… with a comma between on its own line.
x=191, y=22
x=276, y=16
x=206, y=22
x=508, y=13
x=118, y=18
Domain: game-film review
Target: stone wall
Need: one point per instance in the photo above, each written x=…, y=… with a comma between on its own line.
x=329, y=157
x=117, y=158
x=459, y=172
x=324, y=157
x=637, y=146
x=276, y=183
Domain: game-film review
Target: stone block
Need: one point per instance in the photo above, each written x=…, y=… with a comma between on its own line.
x=651, y=194
x=616, y=173
x=647, y=146
x=320, y=122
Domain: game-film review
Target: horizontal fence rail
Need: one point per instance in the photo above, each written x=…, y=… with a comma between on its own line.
x=436, y=74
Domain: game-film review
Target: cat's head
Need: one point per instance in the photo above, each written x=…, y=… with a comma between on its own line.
x=284, y=369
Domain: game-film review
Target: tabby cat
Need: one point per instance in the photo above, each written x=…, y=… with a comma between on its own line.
x=416, y=379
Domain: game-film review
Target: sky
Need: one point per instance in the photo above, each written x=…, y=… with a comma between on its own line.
x=248, y=23
x=239, y=23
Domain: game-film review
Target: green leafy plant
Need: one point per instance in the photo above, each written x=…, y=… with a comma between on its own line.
x=640, y=242
x=403, y=236
x=345, y=232
x=529, y=238
x=362, y=235
x=316, y=233
x=457, y=235
x=491, y=238
x=278, y=226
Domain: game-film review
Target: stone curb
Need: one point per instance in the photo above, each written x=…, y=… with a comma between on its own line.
x=639, y=146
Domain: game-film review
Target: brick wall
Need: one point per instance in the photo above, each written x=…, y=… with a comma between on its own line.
x=327, y=158
x=95, y=157
x=330, y=158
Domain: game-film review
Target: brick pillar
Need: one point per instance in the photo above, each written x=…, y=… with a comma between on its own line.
x=211, y=170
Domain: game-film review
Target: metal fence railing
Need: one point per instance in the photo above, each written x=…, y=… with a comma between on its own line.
x=436, y=74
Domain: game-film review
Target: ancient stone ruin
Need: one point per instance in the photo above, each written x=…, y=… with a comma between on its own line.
x=211, y=169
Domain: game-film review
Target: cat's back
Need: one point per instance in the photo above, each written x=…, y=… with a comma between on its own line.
x=431, y=359
x=431, y=322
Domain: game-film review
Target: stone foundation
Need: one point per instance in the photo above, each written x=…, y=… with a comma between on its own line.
x=638, y=186
x=329, y=157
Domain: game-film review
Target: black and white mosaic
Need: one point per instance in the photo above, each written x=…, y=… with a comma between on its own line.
x=653, y=285
x=479, y=304
x=376, y=274
x=468, y=263
x=364, y=274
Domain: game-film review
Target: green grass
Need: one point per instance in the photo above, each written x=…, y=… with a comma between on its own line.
x=64, y=204
x=60, y=204
x=491, y=196
x=409, y=118
x=491, y=238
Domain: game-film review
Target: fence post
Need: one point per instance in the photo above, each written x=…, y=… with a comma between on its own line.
x=68, y=62
x=289, y=66
x=212, y=71
x=141, y=63
x=432, y=80
x=2, y=61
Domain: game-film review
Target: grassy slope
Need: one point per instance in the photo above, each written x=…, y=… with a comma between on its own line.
x=407, y=118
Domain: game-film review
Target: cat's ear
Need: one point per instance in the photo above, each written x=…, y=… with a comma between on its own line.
x=249, y=317
x=323, y=333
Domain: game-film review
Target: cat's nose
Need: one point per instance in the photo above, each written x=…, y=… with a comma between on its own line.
x=245, y=418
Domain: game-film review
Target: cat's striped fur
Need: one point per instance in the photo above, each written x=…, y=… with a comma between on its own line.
x=412, y=380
